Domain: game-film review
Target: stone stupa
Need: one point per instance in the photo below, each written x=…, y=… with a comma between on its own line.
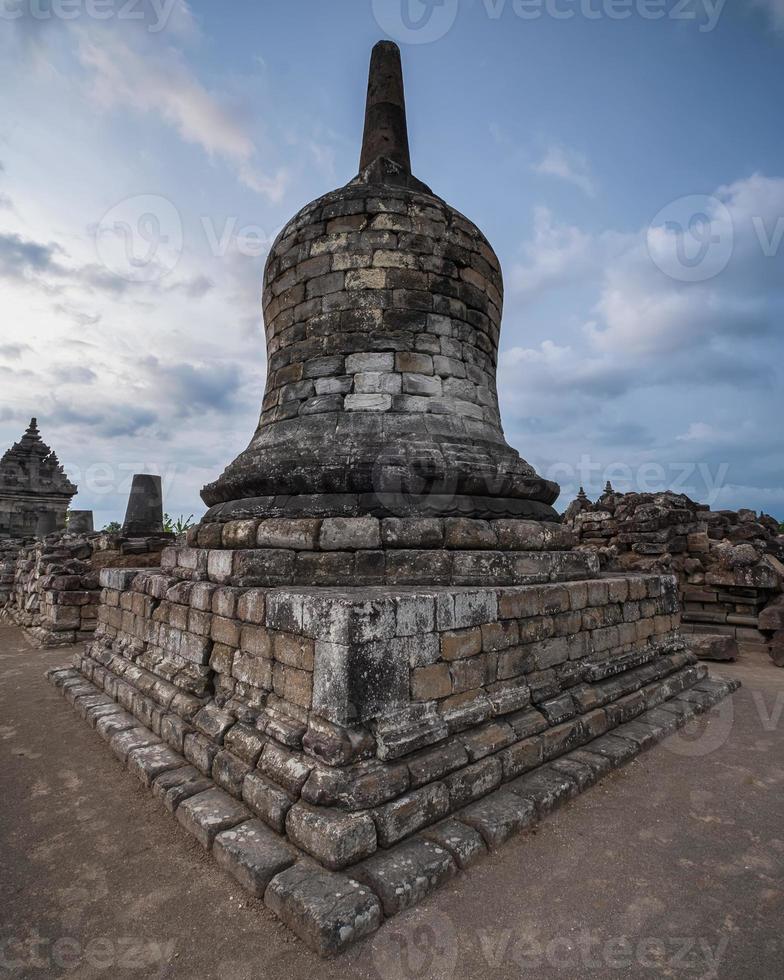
x=378, y=654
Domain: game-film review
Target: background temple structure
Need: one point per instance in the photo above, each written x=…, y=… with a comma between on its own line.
x=379, y=654
x=34, y=490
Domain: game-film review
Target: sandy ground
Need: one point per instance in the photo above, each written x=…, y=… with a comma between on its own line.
x=670, y=868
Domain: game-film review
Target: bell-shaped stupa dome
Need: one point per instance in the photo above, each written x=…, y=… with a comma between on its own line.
x=382, y=309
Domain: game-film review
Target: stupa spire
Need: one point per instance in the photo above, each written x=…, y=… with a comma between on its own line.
x=386, y=131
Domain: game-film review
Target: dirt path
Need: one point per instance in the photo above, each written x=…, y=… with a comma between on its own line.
x=670, y=868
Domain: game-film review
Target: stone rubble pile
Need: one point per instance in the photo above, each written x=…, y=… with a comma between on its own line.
x=729, y=564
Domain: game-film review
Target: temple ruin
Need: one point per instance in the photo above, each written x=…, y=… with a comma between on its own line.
x=34, y=490
x=379, y=654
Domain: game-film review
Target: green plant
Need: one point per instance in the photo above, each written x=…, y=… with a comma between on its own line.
x=178, y=526
x=113, y=527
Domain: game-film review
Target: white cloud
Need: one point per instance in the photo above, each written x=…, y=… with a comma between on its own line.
x=556, y=253
x=569, y=165
x=160, y=82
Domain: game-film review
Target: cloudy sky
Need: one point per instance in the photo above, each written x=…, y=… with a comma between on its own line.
x=623, y=156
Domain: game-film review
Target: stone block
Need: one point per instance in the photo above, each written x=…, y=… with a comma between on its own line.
x=499, y=816
x=546, y=789
x=465, y=844
x=472, y=782
x=253, y=854
x=267, y=800
x=150, y=761
x=404, y=876
x=350, y=533
x=327, y=911
x=122, y=743
x=333, y=837
x=229, y=772
x=409, y=813
x=205, y=815
x=176, y=785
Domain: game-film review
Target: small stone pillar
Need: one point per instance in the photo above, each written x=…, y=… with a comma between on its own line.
x=46, y=524
x=144, y=516
x=80, y=522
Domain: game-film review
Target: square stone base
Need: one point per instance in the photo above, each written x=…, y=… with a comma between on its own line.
x=329, y=910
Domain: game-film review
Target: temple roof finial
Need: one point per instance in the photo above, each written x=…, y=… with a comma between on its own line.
x=386, y=132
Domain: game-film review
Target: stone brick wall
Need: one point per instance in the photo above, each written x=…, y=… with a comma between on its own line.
x=434, y=660
x=395, y=709
x=8, y=552
x=369, y=551
x=53, y=590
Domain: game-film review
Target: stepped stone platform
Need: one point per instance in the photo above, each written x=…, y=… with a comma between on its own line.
x=329, y=910
x=379, y=654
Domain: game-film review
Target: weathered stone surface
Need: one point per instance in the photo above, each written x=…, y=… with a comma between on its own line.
x=109, y=725
x=148, y=762
x=176, y=785
x=498, y=816
x=475, y=780
x=409, y=813
x=617, y=750
x=253, y=854
x=463, y=842
x=122, y=743
x=546, y=789
x=333, y=837
x=207, y=814
x=404, y=876
x=229, y=772
x=268, y=800
x=327, y=911
x=712, y=646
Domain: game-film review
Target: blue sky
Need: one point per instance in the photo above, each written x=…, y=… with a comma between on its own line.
x=627, y=170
